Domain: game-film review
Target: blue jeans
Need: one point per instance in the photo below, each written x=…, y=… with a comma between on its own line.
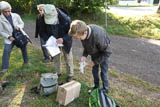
x=104, y=74
x=44, y=49
x=6, y=55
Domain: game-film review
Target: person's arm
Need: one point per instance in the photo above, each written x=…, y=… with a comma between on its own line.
x=66, y=38
x=65, y=21
x=2, y=33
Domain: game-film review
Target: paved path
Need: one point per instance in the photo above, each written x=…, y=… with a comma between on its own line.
x=138, y=57
x=133, y=11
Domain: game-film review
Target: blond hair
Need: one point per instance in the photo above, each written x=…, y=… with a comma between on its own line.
x=77, y=28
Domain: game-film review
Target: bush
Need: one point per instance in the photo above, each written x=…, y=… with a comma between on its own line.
x=73, y=6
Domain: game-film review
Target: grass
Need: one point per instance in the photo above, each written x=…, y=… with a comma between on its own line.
x=29, y=18
x=145, y=26
x=125, y=89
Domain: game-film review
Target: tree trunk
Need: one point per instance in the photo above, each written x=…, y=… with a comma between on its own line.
x=158, y=11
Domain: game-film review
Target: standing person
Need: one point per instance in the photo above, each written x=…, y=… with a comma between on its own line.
x=58, y=24
x=8, y=22
x=96, y=43
x=41, y=31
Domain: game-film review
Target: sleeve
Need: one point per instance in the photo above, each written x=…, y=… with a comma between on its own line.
x=85, y=53
x=36, y=29
x=2, y=33
x=67, y=37
x=20, y=22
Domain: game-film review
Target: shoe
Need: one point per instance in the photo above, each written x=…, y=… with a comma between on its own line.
x=69, y=78
x=24, y=64
x=34, y=90
x=45, y=61
x=52, y=59
x=90, y=90
x=4, y=84
x=59, y=75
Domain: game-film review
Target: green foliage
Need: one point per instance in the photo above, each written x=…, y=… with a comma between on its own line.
x=73, y=6
x=27, y=6
x=86, y=6
x=112, y=2
x=29, y=18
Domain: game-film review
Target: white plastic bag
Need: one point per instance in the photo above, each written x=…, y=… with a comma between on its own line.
x=82, y=65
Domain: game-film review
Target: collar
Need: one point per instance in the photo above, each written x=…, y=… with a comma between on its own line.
x=8, y=17
x=88, y=32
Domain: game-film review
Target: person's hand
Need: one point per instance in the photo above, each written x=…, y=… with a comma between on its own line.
x=11, y=38
x=17, y=28
x=91, y=64
x=83, y=59
x=59, y=41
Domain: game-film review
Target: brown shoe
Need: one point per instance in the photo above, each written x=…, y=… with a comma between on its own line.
x=69, y=78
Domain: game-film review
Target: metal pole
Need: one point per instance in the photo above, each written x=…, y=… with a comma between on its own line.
x=106, y=12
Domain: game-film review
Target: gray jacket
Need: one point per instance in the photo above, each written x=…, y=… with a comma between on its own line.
x=97, y=44
x=6, y=28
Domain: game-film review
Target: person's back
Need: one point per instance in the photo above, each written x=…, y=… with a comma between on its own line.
x=97, y=36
